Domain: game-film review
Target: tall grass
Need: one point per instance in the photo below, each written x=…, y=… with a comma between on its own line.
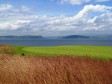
x=6, y=49
x=54, y=70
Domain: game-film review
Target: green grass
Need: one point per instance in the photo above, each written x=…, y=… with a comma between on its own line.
x=103, y=52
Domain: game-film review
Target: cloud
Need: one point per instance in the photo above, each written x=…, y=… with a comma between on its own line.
x=4, y=7
x=93, y=8
x=96, y=22
x=78, y=2
x=102, y=0
x=73, y=2
x=21, y=21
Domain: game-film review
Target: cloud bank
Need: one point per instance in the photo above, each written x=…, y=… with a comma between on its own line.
x=92, y=19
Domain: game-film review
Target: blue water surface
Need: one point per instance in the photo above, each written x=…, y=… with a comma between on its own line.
x=57, y=42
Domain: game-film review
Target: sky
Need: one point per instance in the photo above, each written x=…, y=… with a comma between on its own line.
x=55, y=17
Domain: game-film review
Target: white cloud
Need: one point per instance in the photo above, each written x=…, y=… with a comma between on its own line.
x=78, y=2
x=22, y=21
x=93, y=8
x=4, y=7
x=73, y=2
x=102, y=0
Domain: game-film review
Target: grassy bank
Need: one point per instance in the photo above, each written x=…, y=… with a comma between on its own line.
x=103, y=52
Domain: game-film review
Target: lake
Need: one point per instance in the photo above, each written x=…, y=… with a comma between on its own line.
x=57, y=42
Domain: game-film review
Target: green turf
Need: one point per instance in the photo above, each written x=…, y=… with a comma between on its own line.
x=103, y=52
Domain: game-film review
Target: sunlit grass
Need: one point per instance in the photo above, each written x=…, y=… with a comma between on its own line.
x=104, y=52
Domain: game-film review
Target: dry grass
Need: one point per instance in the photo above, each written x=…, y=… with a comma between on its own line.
x=54, y=70
x=5, y=49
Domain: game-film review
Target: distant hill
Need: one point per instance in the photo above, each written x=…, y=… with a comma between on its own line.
x=54, y=37
x=75, y=37
x=21, y=37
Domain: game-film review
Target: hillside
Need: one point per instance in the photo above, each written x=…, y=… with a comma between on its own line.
x=21, y=37
x=75, y=37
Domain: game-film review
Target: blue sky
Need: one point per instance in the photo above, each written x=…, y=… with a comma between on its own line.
x=44, y=7
x=55, y=17
x=52, y=7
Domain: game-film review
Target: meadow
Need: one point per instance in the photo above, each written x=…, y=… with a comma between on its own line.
x=99, y=52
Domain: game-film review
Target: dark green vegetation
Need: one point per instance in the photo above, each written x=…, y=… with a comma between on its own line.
x=101, y=52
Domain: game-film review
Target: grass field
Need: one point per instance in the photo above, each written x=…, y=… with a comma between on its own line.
x=102, y=52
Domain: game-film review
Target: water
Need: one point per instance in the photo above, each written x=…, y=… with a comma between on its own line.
x=57, y=42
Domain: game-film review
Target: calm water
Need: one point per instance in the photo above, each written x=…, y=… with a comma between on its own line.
x=55, y=42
